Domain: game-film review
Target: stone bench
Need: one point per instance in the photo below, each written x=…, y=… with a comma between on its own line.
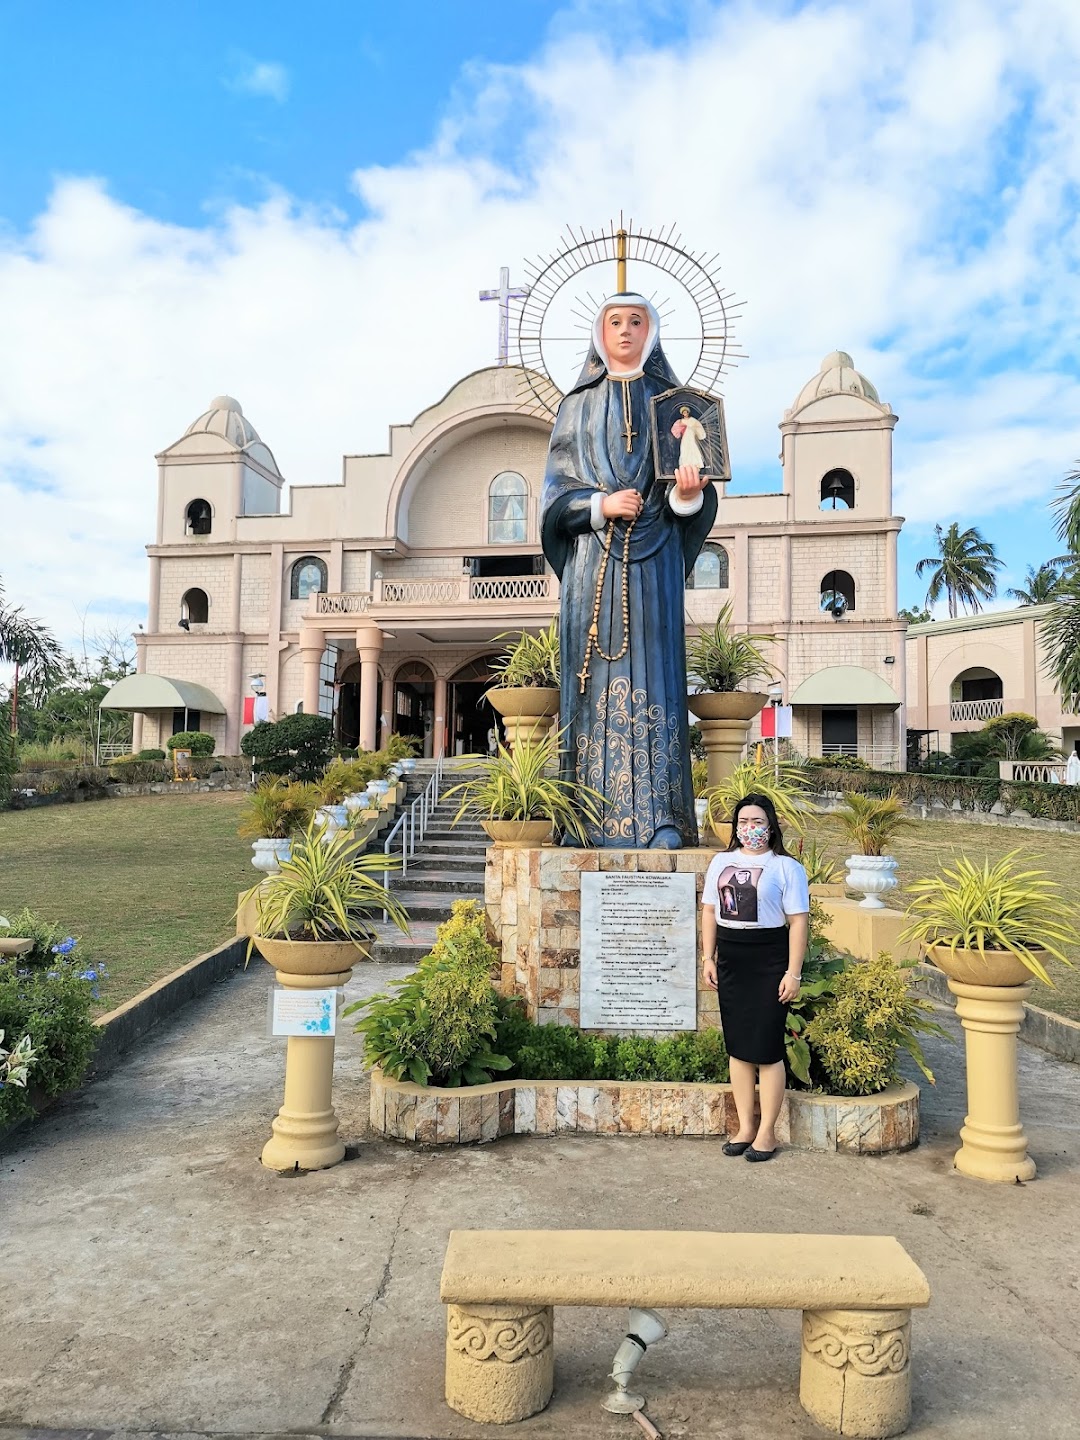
x=856, y=1293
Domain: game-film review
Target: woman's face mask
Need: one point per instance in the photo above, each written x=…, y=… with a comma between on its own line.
x=753, y=833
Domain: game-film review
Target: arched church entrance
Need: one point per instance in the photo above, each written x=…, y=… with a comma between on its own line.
x=470, y=716
x=414, y=705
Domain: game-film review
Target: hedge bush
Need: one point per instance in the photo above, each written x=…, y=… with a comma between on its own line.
x=296, y=745
x=47, y=994
x=197, y=741
x=971, y=792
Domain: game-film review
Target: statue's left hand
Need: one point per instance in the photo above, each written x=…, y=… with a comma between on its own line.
x=689, y=482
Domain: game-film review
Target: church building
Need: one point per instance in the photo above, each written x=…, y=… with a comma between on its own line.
x=379, y=601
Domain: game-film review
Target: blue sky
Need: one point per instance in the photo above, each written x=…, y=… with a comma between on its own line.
x=297, y=205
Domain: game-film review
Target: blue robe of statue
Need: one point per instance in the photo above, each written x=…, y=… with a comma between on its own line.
x=626, y=733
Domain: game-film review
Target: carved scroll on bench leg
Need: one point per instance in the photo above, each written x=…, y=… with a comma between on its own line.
x=500, y=1361
x=856, y=1378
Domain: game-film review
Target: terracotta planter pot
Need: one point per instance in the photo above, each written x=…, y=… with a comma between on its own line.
x=519, y=832
x=524, y=700
x=726, y=704
x=998, y=967
x=310, y=957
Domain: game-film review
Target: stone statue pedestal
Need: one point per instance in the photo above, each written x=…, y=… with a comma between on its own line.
x=533, y=899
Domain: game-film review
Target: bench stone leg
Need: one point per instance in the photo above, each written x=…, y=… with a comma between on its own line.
x=500, y=1361
x=856, y=1378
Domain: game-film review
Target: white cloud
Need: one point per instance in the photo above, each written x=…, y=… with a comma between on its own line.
x=901, y=191
x=268, y=78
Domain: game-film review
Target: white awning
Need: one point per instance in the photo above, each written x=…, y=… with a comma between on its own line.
x=158, y=692
x=845, y=685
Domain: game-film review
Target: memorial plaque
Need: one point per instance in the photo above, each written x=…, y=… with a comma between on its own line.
x=638, y=951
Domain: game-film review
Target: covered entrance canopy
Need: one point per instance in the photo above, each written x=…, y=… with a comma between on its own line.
x=845, y=685
x=158, y=692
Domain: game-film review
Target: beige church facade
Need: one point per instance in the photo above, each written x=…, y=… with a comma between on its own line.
x=378, y=601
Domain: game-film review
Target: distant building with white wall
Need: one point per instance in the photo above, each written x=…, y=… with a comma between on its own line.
x=378, y=600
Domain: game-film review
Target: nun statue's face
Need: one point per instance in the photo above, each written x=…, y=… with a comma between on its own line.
x=625, y=331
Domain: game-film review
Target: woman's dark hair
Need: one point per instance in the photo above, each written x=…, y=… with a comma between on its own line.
x=776, y=837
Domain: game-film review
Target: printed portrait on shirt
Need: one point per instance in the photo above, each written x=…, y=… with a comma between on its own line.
x=737, y=888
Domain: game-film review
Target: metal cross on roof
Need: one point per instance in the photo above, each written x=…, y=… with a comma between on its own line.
x=504, y=294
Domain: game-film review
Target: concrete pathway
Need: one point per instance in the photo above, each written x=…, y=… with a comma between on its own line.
x=156, y=1279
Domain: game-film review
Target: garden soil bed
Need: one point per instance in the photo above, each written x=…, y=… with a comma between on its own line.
x=882, y=1124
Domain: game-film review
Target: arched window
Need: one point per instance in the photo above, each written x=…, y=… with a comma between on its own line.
x=308, y=578
x=710, y=570
x=195, y=606
x=508, y=500
x=838, y=593
x=838, y=490
x=199, y=518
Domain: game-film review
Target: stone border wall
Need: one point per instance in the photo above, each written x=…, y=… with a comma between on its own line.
x=883, y=1124
x=1044, y=1029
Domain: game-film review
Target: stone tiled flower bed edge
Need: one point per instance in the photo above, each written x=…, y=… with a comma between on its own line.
x=882, y=1124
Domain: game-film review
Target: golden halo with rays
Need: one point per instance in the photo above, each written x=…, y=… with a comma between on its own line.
x=696, y=273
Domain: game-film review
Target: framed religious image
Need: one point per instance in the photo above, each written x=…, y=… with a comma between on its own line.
x=689, y=429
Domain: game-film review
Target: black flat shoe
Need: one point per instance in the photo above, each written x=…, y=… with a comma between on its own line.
x=755, y=1155
x=736, y=1147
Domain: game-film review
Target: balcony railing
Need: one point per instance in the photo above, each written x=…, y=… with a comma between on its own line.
x=976, y=709
x=1048, y=772
x=349, y=603
x=511, y=587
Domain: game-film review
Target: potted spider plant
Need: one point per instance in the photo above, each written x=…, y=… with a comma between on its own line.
x=991, y=924
x=526, y=692
x=990, y=928
x=785, y=785
x=871, y=821
x=315, y=919
x=721, y=663
x=274, y=811
x=317, y=915
x=520, y=801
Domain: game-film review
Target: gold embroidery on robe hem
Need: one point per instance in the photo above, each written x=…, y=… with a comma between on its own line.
x=629, y=755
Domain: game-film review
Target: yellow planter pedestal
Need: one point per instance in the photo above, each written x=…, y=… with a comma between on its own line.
x=994, y=1144
x=865, y=933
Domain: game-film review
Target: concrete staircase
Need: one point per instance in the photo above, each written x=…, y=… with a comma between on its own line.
x=447, y=865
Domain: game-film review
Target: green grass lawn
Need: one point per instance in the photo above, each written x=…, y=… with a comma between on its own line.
x=150, y=883
x=928, y=844
x=147, y=884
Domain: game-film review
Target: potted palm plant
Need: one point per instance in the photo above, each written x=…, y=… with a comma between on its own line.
x=822, y=871
x=519, y=800
x=526, y=692
x=699, y=775
x=275, y=810
x=871, y=821
x=991, y=924
x=314, y=920
x=990, y=928
x=317, y=915
x=784, y=784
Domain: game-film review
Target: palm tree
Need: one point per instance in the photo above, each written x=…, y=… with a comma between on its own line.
x=1066, y=510
x=1042, y=584
x=963, y=569
x=32, y=649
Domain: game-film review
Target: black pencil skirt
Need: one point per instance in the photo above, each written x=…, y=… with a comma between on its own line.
x=750, y=964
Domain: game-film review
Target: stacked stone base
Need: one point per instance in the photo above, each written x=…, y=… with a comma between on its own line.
x=533, y=899
x=882, y=1124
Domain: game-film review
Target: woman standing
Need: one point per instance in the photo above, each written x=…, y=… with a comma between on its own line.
x=755, y=922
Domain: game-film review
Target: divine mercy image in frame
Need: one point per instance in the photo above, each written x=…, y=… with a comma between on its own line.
x=689, y=429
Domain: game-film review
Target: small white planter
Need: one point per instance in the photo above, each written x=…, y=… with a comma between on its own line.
x=380, y=787
x=268, y=854
x=407, y=766
x=701, y=811
x=333, y=818
x=873, y=876
x=359, y=801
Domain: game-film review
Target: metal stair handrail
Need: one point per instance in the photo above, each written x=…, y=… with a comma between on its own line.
x=413, y=823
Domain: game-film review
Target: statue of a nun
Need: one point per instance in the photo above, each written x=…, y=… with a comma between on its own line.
x=622, y=544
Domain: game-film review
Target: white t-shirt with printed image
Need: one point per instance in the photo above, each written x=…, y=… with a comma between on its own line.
x=755, y=891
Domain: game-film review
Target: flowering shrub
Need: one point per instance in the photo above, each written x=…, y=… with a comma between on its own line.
x=46, y=997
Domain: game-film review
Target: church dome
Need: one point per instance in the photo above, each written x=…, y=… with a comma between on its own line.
x=225, y=417
x=836, y=376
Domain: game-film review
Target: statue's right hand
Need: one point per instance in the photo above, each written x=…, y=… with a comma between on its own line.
x=623, y=505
